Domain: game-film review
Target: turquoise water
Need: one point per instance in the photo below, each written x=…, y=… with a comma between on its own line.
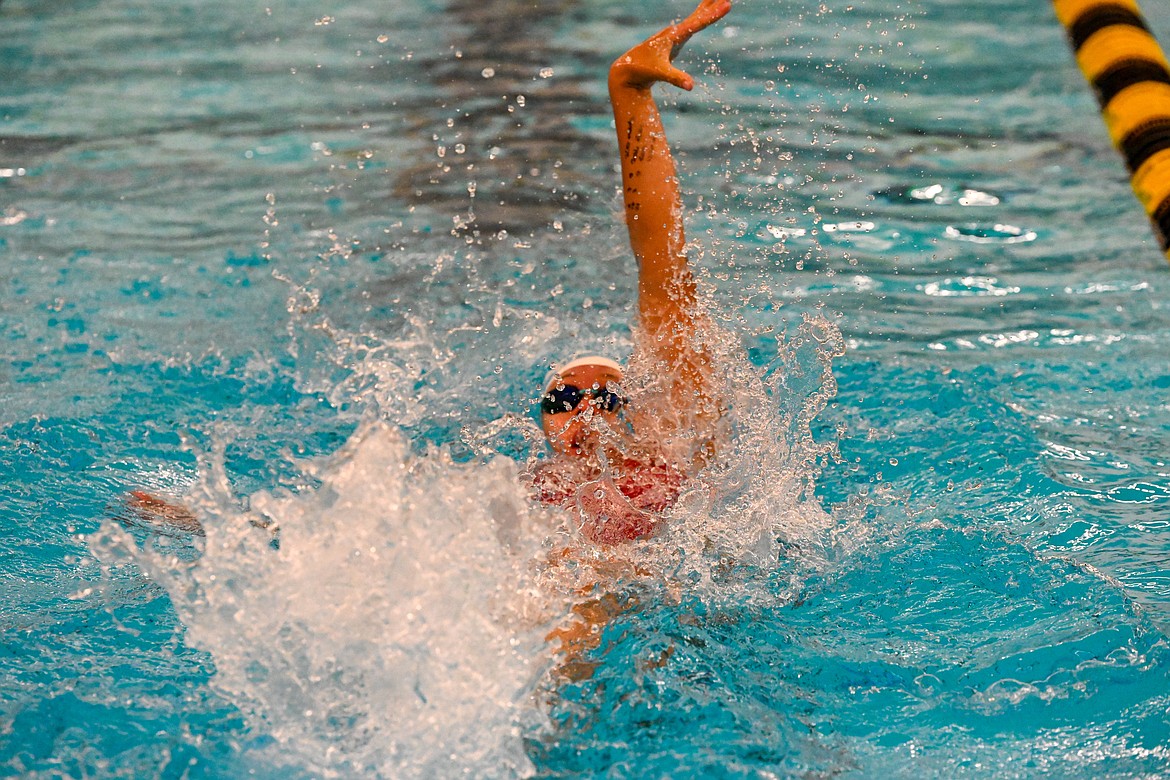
x=309, y=262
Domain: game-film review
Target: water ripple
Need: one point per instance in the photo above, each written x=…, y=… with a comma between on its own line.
x=967, y=287
x=938, y=195
x=990, y=234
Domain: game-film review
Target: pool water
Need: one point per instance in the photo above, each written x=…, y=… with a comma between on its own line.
x=307, y=263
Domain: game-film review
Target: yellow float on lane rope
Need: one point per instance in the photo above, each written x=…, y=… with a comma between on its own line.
x=1131, y=76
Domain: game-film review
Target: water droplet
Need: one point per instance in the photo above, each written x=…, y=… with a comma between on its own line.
x=487, y=73
x=977, y=198
x=848, y=227
x=12, y=216
x=546, y=73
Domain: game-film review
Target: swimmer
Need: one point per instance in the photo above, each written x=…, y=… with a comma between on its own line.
x=619, y=466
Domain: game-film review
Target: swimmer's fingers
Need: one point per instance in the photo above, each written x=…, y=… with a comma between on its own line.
x=679, y=79
x=652, y=60
x=706, y=14
x=636, y=70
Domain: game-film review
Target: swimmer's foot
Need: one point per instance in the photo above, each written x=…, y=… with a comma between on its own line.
x=650, y=61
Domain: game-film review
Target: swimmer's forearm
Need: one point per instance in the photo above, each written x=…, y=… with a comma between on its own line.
x=650, y=191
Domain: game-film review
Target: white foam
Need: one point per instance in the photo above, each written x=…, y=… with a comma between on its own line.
x=397, y=630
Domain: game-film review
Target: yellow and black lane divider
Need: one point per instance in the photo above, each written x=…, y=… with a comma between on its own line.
x=1131, y=76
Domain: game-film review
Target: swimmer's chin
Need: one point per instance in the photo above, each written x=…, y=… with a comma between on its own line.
x=572, y=449
x=574, y=443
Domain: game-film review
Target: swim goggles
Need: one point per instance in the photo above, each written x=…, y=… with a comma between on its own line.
x=566, y=398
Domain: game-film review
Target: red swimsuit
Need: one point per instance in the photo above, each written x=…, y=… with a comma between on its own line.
x=616, y=506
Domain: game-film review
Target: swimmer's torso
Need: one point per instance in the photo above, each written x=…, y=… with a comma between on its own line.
x=618, y=504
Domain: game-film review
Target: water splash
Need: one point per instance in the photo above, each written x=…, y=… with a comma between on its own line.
x=390, y=628
x=390, y=618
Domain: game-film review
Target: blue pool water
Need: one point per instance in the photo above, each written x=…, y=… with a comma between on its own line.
x=307, y=262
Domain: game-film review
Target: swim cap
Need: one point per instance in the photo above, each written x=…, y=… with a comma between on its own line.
x=551, y=379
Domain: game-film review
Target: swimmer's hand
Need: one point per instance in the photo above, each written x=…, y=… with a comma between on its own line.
x=147, y=510
x=651, y=60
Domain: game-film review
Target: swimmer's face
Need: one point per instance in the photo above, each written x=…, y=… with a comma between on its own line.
x=572, y=431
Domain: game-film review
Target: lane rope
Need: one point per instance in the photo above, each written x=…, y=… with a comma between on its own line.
x=1130, y=75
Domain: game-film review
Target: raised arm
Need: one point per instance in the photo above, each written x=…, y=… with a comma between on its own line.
x=666, y=288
